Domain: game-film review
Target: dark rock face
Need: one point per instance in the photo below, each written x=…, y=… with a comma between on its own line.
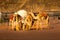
x=36, y=5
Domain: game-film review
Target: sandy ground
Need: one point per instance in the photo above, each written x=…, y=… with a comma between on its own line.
x=30, y=35
x=52, y=34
